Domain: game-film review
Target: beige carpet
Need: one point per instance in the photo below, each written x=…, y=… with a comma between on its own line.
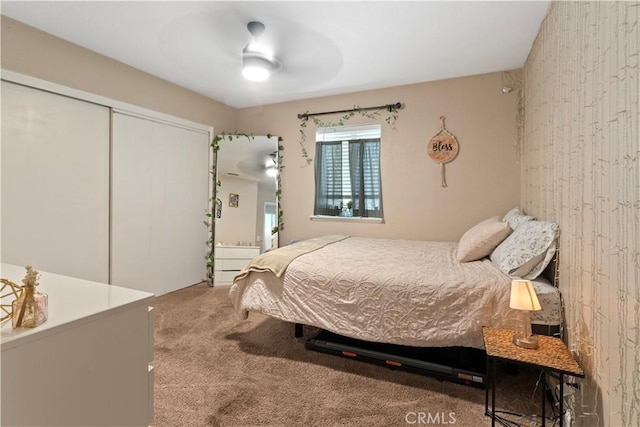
x=212, y=369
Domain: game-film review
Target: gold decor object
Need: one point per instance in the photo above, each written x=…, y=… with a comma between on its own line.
x=9, y=291
x=30, y=309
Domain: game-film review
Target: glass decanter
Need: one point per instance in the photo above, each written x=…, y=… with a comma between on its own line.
x=30, y=309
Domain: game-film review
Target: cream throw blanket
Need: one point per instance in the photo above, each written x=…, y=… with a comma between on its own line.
x=276, y=261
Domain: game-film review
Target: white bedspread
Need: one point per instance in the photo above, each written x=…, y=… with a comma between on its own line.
x=394, y=291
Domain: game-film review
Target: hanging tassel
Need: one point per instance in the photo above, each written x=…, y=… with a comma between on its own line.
x=442, y=175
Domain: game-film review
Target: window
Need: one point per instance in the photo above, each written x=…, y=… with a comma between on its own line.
x=347, y=171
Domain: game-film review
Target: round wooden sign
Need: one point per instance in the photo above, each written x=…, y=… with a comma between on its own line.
x=443, y=148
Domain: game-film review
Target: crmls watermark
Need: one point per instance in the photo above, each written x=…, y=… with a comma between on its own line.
x=432, y=418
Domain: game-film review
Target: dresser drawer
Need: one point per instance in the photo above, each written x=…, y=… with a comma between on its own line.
x=231, y=264
x=150, y=333
x=248, y=252
x=150, y=391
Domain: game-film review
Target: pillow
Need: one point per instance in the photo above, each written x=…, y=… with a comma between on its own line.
x=528, y=250
x=515, y=217
x=481, y=239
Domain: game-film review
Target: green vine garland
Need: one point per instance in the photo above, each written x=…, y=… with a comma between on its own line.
x=392, y=117
x=215, y=202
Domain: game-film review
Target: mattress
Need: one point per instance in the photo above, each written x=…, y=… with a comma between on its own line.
x=550, y=302
x=383, y=290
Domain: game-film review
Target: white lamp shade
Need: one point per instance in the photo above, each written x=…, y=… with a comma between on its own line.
x=523, y=296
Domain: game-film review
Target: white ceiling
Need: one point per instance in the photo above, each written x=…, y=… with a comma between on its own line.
x=326, y=47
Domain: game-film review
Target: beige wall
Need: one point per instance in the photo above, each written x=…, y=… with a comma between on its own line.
x=482, y=181
x=29, y=51
x=581, y=169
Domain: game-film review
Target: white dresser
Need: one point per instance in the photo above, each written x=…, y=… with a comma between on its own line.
x=230, y=260
x=88, y=364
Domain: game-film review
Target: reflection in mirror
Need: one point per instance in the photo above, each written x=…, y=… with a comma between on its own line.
x=247, y=172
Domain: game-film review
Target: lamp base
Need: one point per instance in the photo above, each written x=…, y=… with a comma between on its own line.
x=525, y=342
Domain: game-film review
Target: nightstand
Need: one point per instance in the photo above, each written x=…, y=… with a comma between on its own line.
x=552, y=355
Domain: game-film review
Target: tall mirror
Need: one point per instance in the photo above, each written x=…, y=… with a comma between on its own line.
x=248, y=212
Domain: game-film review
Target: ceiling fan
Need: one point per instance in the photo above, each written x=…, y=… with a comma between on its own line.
x=258, y=61
x=218, y=44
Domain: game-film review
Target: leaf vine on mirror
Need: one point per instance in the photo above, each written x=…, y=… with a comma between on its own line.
x=374, y=113
x=215, y=203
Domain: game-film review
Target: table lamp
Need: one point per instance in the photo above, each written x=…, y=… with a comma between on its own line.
x=523, y=297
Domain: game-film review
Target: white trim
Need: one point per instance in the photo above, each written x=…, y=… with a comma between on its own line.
x=331, y=218
x=347, y=133
x=122, y=107
x=156, y=119
x=349, y=128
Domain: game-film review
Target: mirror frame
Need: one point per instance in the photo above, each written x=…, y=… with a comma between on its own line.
x=215, y=202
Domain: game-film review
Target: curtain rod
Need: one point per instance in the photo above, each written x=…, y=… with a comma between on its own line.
x=388, y=107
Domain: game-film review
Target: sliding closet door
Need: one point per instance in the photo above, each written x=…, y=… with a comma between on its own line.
x=160, y=190
x=55, y=183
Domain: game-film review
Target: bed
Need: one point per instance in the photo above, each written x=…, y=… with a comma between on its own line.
x=413, y=293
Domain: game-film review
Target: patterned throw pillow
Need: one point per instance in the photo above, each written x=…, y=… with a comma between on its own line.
x=515, y=217
x=481, y=239
x=528, y=250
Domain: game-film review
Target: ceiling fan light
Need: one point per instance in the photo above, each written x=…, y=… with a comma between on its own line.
x=258, y=61
x=256, y=68
x=255, y=74
x=272, y=172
